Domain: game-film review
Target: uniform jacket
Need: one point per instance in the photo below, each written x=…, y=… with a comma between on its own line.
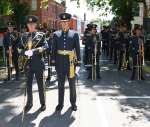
x=38, y=40
x=88, y=41
x=134, y=46
x=64, y=41
x=10, y=39
x=96, y=43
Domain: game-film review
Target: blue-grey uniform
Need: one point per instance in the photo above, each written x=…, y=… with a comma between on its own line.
x=94, y=54
x=64, y=44
x=11, y=40
x=137, y=56
x=34, y=65
x=124, y=39
x=122, y=48
x=105, y=40
x=67, y=41
x=88, y=45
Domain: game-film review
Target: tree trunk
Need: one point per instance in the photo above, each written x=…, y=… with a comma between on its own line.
x=145, y=9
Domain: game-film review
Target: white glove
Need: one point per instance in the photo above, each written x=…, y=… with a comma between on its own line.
x=77, y=70
x=29, y=53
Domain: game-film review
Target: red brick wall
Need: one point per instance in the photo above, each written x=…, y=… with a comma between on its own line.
x=48, y=15
x=82, y=26
x=73, y=23
x=38, y=11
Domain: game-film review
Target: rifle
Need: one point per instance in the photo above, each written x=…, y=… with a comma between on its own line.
x=12, y=39
x=29, y=46
x=10, y=66
x=124, y=63
x=140, y=58
x=94, y=63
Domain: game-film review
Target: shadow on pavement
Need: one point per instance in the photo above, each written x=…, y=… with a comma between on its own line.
x=28, y=120
x=116, y=83
x=5, y=113
x=11, y=89
x=136, y=109
x=58, y=120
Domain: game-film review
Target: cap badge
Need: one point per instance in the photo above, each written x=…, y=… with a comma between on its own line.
x=30, y=19
x=64, y=16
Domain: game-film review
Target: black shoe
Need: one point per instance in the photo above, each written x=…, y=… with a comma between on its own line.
x=89, y=77
x=59, y=108
x=17, y=78
x=98, y=77
x=48, y=79
x=119, y=69
x=43, y=107
x=142, y=78
x=27, y=107
x=7, y=79
x=74, y=108
x=132, y=78
x=129, y=68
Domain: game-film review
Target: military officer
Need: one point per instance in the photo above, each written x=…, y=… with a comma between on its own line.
x=137, y=51
x=127, y=44
x=116, y=45
x=95, y=54
x=87, y=42
x=105, y=40
x=122, y=48
x=49, y=52
x=112, y=43
x=66, y=54
x=10, y=42
x=124, y=39
x=32, y=45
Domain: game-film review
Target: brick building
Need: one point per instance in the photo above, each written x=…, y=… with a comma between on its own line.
x=49, y=14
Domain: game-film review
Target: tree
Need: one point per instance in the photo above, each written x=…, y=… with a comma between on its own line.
x=20, y=11
x=124, y=9
x=15, y=9
x=5, y=7
x=145, y=7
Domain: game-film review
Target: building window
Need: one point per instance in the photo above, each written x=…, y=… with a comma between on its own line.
x=34, y=5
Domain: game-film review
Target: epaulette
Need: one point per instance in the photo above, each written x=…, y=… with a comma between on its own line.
x=58, y=33
x=71, y=33
x=41, y=33
x=88, y=34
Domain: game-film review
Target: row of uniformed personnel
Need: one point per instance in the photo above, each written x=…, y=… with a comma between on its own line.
x=118, y=45
x=65, y=55
x=92, y=42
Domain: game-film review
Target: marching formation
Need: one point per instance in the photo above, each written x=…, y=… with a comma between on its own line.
x=28, y=50
x=120, y=46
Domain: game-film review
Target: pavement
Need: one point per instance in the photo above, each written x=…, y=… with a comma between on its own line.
x=113, y=101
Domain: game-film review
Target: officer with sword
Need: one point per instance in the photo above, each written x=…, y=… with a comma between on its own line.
x=32, y=45
x=66, y=56
x=137, y=51
x=10, y=43
x=94, y=54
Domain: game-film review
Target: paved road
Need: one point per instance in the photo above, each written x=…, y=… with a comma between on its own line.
x=113, y=101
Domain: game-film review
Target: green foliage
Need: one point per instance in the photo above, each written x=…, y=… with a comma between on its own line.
x=5, y=7
x=20, y=10
x=16, y=9
x=124, y=9
x=44, y=3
